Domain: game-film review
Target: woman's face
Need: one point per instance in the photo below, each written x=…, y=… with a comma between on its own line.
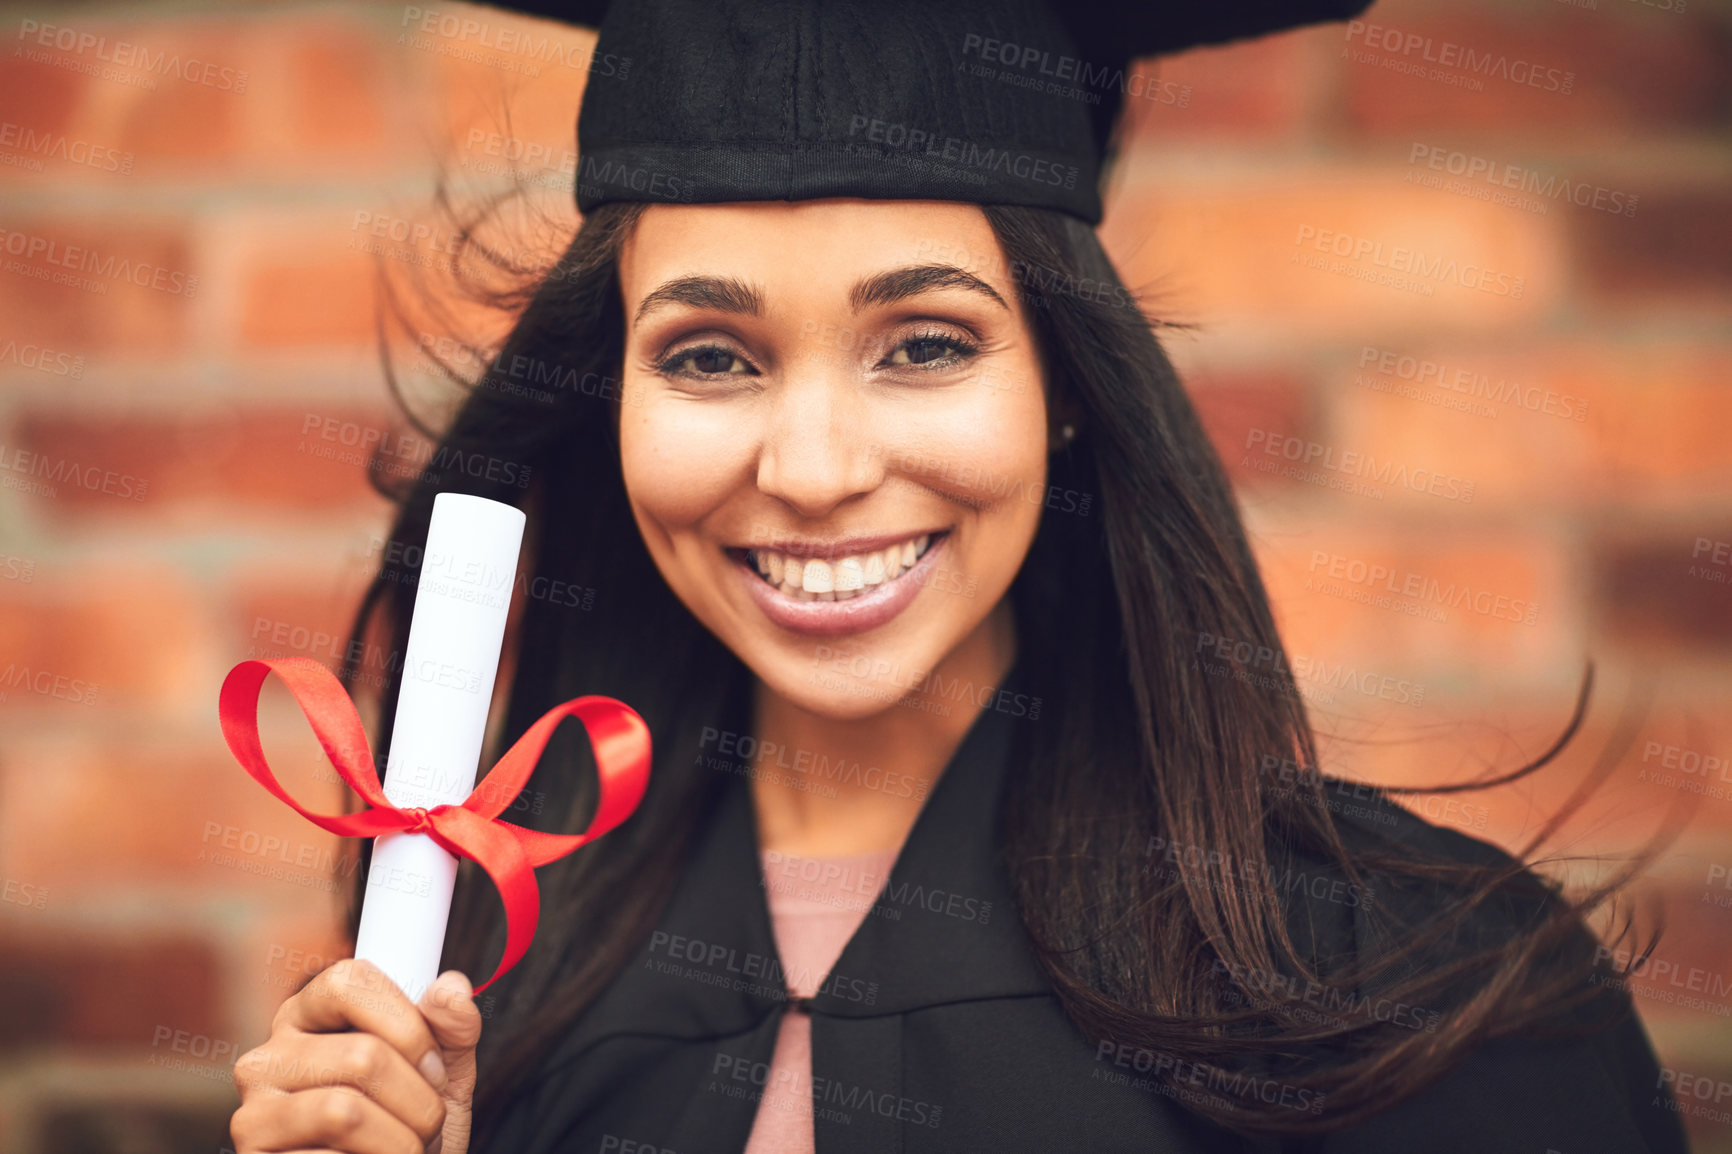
x=834, y=434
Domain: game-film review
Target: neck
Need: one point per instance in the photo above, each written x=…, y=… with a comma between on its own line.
x=907, y=744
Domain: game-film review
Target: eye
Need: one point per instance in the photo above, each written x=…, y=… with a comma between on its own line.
x=704, y=361
x=931, y=350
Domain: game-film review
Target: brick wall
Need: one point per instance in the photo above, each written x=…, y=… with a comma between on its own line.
x=1512, y=287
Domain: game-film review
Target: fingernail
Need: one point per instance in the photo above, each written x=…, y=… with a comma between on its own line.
x=433, y=1069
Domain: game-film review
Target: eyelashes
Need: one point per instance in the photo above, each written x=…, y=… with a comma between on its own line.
x=925, y=351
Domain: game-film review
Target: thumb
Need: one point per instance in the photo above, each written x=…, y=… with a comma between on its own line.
x=449, y=1007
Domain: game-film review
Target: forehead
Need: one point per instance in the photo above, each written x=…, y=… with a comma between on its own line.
x=782, y=243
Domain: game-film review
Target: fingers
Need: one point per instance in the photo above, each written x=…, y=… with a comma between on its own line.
x=334, y=1119
x=449, y=1009
x=353, y=994
x=369, y=1064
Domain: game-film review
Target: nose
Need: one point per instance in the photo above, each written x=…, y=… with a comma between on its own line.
x=817, y=449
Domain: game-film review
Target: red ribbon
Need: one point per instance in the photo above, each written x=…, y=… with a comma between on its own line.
x=509, y=853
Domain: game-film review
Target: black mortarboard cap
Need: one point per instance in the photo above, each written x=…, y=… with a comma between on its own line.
x=987, y=101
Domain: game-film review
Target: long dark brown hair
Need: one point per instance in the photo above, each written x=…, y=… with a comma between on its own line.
x=1132, y=876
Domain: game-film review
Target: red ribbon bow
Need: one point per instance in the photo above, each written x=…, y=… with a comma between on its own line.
x=509, y=853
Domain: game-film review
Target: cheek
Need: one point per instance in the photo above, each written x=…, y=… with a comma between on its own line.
x=680, y=460
x=987, y=450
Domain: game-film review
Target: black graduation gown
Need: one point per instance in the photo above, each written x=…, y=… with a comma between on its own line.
x=935, y=1031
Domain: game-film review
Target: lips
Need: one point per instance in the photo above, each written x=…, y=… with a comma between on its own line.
x=850, y=588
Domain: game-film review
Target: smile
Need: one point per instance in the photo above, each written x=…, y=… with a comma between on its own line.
x=823, y=591
x=816, y=579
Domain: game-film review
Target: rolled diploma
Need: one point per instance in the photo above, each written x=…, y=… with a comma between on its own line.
x=455, y=632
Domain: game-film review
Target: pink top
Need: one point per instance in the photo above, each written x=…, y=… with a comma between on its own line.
x=816, y=904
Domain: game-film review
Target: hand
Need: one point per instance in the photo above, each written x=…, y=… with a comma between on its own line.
x=352, y=1065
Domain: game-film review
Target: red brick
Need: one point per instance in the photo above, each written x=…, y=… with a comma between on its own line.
x=37, y=98
x=79, y=643
x=89, y=990
x=175, y=813
x=1512, y=565
x=1666, y=594
x=1675, y=252
x=1232, y=254
x=1231, y=406
x=124, y=314
x=1633, y=72
x=1249, y=91
x=261, y=458
x=335, y=97
x=1651, y=419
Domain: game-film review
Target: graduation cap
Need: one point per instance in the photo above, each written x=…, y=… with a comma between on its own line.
x=986, y=101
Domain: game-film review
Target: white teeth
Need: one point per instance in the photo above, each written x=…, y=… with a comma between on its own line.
x=818, y=577
x=813, y=579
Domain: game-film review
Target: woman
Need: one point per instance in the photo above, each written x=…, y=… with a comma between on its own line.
x=984, y=815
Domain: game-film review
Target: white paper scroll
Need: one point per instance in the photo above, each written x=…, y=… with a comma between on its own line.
x=467, y=575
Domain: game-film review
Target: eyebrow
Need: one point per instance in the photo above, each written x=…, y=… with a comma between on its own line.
x=729, y=295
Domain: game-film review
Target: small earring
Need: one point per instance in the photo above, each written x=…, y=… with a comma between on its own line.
x=1068, y=432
